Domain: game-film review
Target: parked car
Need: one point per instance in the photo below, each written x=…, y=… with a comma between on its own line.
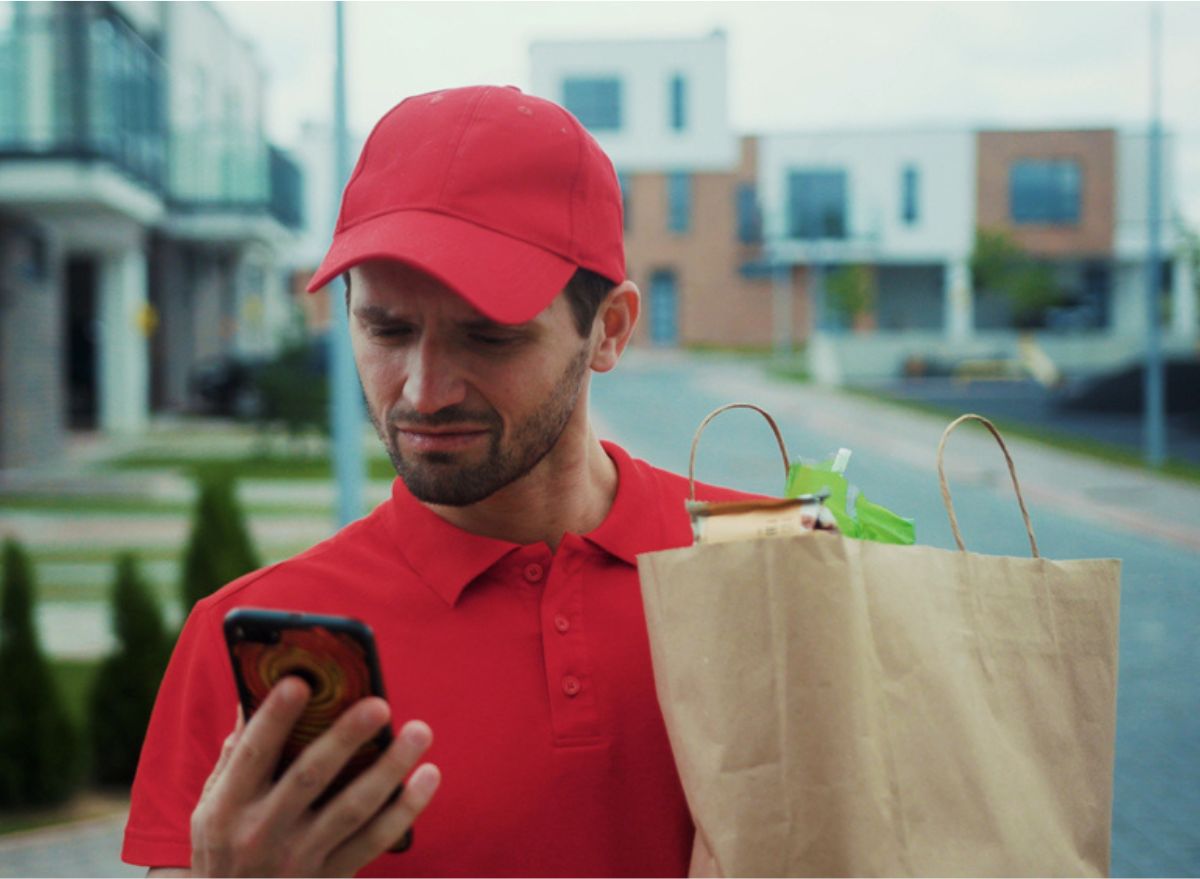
x=258, y=387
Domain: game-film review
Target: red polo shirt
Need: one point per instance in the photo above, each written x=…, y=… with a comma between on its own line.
x=532, y=668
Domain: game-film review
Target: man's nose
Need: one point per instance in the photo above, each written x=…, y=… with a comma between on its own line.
x=433, y=380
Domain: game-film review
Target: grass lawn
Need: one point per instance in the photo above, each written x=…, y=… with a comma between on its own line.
x=111, y=505
x=275, y=466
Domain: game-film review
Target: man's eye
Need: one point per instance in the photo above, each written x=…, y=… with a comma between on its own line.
x=490, y=340
x=391, y=332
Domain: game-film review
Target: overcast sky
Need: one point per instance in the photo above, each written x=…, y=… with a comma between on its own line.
x=791, y=65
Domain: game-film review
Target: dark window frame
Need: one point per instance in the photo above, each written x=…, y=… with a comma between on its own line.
x=1045, y=191
x=596, y=101
x=678, y=102
x=680, y=198
x=910, y=195
x=827, y=215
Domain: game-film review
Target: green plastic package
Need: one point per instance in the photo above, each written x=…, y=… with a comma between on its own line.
x=862, y=520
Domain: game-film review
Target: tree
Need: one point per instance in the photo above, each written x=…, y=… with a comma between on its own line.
x=126, y=684
x=851, y=291
x=219, y=548
x=39, y=748
x=999, y=265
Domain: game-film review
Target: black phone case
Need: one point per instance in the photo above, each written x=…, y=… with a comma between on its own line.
x=255, y=625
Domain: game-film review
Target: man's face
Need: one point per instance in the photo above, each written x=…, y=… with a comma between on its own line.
x=464, y=405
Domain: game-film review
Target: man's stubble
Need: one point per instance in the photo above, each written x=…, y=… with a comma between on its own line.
x=436, y=478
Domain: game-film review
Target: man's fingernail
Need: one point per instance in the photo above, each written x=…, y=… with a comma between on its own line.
x=415, y=735
x=425, y=780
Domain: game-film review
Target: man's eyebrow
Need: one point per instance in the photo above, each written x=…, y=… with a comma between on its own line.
x=374, y=314
x=486, y=325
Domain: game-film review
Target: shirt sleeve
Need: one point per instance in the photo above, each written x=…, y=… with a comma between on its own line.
x=195, y=710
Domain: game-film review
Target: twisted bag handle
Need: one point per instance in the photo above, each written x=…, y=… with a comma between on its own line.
x=1011, y=469
x=714, y=414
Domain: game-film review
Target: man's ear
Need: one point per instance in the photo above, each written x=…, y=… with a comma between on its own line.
x=613, y=327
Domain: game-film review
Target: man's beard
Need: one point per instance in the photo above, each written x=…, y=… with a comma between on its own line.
x=435, y=478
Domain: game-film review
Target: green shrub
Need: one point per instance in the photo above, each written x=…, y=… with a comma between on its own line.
x=126, y=683
x=1001, y=267
x=219, y=548
x=40, y=757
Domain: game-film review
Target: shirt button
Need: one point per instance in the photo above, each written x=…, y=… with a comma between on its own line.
x=571, y=685
x=533, y=572
x=561, y=623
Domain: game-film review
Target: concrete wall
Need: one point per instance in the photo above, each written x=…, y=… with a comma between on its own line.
x=32, y=399
x=646, y=141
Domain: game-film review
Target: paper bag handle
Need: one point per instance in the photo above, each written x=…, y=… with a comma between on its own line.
x=1012, y=470
x=714, y=414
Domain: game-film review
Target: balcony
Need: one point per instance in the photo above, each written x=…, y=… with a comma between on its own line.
x=233, y=181
x=78, y=86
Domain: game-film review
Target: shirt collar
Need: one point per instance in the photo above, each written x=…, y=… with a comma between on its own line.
x=448, y=558
x=445, y=556
x=636, y=523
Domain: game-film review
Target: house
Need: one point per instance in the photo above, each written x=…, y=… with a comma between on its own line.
x=751, y=239
x=142, y=212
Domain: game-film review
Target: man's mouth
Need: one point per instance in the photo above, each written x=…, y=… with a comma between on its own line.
x=440, y=439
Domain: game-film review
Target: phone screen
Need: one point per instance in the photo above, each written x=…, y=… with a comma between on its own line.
x=335, y=656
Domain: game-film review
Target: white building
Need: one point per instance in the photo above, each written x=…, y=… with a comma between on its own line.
x=654, y=105
x=899, y=201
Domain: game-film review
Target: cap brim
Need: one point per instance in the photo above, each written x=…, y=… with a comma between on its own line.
x=508, y=280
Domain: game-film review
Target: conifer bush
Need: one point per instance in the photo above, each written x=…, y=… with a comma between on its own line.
x=126, y=683
x=40, y=756
x=219, y=548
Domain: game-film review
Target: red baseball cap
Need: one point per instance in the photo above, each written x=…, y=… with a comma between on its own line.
x=498, y=194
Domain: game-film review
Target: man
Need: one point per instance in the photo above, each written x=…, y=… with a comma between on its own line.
x=481, y=238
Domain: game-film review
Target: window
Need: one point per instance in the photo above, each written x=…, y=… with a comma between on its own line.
x=909, y=183
x=1045, y=191
x=626, y=184
x=817, y=204
x=679, y=201
x=678, y=102
x=749, y=219
x=594, y=101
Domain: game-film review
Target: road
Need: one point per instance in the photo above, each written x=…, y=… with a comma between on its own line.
x=655, y=403
x=1079, y=509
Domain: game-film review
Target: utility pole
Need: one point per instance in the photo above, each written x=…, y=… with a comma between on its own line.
x=1153, y=391
x=345, y=406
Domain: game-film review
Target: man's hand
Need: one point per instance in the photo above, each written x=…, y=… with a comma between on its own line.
x=247, y=825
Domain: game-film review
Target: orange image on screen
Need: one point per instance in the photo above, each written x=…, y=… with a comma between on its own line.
x=334, y=666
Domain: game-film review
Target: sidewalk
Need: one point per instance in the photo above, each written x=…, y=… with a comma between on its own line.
x=84, y=848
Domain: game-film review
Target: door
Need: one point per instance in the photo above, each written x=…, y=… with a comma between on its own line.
x=664, y=309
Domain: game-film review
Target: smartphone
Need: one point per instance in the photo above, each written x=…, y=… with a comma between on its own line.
x=334, y=655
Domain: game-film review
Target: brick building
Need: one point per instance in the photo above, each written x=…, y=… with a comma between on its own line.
x=742, y=240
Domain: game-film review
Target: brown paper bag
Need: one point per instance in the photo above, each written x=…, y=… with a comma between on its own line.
x=842, y=707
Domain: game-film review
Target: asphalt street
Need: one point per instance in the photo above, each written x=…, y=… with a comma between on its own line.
x=653, y=404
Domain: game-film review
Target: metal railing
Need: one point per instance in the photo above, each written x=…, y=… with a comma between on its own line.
x=233, y=172
x=77, y=82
